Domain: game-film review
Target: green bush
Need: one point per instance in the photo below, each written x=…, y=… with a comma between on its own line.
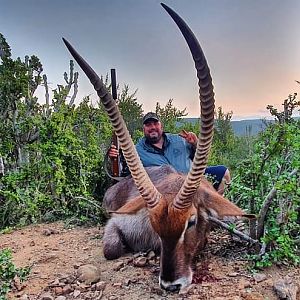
x=8, y=272
x=267, y=184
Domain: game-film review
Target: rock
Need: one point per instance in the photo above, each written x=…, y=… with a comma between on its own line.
x=286, y=289
x=46, y=296
x=24, y=297
x=88, y=274
x=76, y=293
x=60, y=298
x=117, y=284
x=118, y=265
x=83, y=287
x=157, y=290
x=17, y=283
x=58, y=290
x=129, y=260
x=244, y=284
x=253, y=296
x=259, y=277
x=100, y=286
x=55, y=283
x=233, y=274
x=186, y=290
x=151, y=255
x=54, y=231
x=76, y=265
x=124, y=269
x=231, y=298
x=140, y=261
x=47, y=232
x=67, y=289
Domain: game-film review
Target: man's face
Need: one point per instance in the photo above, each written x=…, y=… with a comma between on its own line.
x=153, y=131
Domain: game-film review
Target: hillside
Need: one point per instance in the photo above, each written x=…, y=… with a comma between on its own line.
x=240, y=128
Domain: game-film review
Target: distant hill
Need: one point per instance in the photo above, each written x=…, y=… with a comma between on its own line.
x=240, y=128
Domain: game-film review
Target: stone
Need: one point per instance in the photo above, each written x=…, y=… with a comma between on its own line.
x=67, y=289
x=187, y=289
x=46, y=296
x=60, y=298
x=118, y=265
x=76, y=293
x=151, y=255
x=244, y=284
x=253, y=296
x=17, y=283
x=55, y=282
x=88, y=274
x=286, y=289
x=259, y=277
x=100, y=286
x=47, y=232
x=233, y=274
x=58, y=290
x=140, y=261
x=117, y=284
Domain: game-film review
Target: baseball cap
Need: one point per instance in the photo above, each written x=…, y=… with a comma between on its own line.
x=150, y=116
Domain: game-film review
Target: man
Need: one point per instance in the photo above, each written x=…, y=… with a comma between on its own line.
x=158, y=148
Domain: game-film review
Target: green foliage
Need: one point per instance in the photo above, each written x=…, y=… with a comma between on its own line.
x=228, y=149
x=8, y=272
x=53, y=153
x=169, y=115
x=267, y=184
x=131, y=111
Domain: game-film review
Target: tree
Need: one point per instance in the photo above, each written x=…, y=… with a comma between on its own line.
x=169, y=115
x=267, y=184
x=131, y=111
x=18, y=106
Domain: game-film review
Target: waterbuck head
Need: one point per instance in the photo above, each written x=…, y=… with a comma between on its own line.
x=178, y=216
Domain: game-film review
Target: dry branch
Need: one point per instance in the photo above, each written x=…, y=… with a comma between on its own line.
x=234, y=231
x=265, y=207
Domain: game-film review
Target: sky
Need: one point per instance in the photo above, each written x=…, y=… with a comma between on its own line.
x=252, y=47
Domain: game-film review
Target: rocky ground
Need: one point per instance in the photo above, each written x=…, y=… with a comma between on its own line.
x=67, y=263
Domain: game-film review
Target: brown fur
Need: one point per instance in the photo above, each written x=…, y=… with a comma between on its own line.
x=164, y=224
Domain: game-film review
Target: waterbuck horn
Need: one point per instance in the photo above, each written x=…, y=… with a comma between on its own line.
x=139, y=175
x=207, y=103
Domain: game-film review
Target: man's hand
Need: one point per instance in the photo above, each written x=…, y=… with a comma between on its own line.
x=190, y=137
x=113, y=152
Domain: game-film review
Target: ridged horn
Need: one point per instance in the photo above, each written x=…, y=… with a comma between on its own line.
x=207, y=102
x=139, y=175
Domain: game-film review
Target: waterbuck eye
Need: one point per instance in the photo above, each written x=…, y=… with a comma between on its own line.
x=192, y=221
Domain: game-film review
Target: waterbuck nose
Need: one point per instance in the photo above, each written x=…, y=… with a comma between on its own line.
x=172, y=287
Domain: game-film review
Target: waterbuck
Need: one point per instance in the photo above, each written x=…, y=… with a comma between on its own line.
x=165, y=210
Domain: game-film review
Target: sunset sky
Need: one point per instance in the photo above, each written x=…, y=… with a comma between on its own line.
x=252, y=47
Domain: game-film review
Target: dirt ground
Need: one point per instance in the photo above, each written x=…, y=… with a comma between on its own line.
x=55, y=252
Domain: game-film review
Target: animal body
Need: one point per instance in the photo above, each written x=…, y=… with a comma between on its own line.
x=130, y=228
x=162, y=209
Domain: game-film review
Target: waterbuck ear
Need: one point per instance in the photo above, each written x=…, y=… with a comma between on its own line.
x=218, y=205
x=131, y=207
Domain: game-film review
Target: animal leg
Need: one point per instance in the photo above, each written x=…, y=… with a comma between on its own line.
x=113, y=246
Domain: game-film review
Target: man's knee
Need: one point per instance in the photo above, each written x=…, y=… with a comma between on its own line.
x=227, y=177
x=225, y=182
